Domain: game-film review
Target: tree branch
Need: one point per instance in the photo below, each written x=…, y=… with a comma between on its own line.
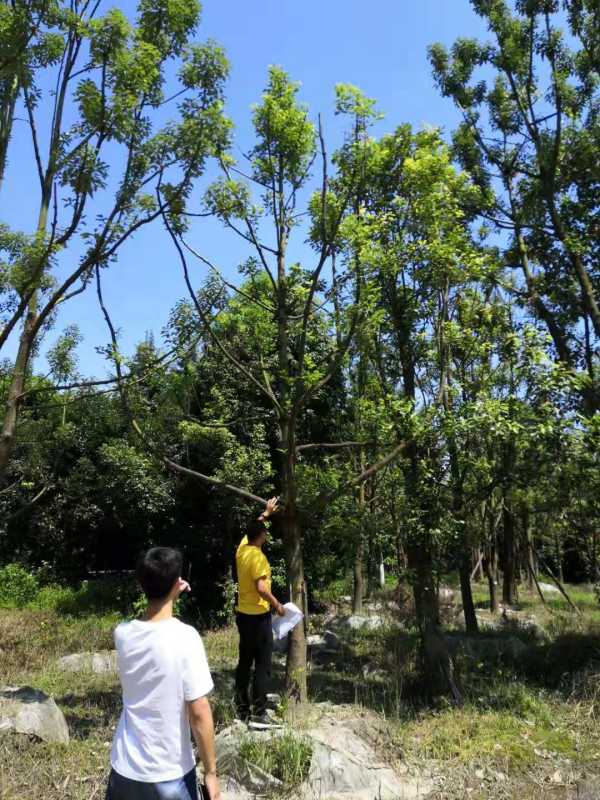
x=324, y=498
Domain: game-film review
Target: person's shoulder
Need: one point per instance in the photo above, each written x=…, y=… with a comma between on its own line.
x=185, y=631
x=123, y=629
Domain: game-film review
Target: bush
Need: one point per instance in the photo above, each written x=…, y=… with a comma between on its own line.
x=17, y=586
x=53, y=597
x=285, y=757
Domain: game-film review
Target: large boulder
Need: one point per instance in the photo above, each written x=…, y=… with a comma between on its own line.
x=31, y=712
x=344, y=766
x=100, y=663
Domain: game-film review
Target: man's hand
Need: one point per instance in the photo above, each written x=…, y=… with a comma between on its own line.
x=280, y=610
x=272, y=508
x=183, y=586
x=212, y=785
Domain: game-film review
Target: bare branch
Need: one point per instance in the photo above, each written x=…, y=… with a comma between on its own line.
x=34, y=137
x=324, y=498
x=204, y=319
x=218, y=273
x=332, y=445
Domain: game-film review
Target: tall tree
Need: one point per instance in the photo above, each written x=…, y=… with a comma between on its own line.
x=529, y=134
x=113, y=75
x=286, y=148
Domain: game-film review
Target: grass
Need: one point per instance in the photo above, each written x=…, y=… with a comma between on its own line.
x=522, y=717
x=286, y=757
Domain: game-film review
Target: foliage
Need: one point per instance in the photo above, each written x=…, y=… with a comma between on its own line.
x=17, y=586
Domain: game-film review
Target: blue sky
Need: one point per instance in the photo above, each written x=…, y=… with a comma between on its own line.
x=379, y=46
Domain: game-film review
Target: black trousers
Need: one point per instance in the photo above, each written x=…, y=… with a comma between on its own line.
x=256, y=649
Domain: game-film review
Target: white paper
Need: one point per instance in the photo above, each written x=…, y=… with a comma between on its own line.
x=283, y=625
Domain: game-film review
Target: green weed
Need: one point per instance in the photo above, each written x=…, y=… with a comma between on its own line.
x=286, y=757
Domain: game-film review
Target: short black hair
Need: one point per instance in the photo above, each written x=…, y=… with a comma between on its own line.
x=157, y=570
x=254, y=529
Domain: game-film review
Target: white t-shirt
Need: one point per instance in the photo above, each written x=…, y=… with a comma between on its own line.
x=161, y=666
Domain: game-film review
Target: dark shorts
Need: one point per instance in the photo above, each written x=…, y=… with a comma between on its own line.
x=120, y=788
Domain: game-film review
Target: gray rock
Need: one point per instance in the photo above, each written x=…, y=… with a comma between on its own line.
x=358, y=622
x=100, y=663
x=232, y=790
x=445, y=593
x=332, y=641
x=534, y=629
x=374, y=605
x=488, y=648
x=345, y=767
x=374, y=672
x=230, y=762
x=314, y=640
x=549, y=588
x=31, y=712
x=587, y=790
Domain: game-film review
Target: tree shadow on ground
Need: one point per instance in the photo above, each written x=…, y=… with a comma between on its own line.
x=90, y=712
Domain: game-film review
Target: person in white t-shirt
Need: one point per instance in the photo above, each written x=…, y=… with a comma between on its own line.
x=165, y=680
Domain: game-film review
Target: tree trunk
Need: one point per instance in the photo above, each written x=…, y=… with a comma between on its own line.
x=490, y=566
x=490, y=563
x=437, y=661
x=464, y=572
x=593, y=571
x=15, y=391
x=295, y=671
x=359, y=583
x=10, y=92
x=381, y=573
x=558, y=557
x=509, y=594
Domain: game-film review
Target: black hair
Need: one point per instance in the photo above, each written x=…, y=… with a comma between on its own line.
x=157, y=570
x=254, y=529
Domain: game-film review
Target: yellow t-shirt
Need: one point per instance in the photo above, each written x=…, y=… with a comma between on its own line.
x=251, y=565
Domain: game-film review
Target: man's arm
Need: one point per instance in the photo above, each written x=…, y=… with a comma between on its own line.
x=201, y=723
x=261, y=588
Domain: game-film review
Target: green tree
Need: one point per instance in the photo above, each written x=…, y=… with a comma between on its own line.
x=114, y=75
x=529, y=136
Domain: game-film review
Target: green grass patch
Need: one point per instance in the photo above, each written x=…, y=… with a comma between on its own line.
x=286, y=757
x=502, y=738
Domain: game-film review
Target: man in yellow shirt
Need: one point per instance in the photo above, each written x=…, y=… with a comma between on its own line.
x=253, y=619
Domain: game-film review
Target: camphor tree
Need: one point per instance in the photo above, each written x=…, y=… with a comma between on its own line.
x=296, y=300
x=110, y=75
x=531, y=134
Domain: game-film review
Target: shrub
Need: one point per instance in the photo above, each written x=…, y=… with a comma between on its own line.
x=17, y=586
x=54, y=598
